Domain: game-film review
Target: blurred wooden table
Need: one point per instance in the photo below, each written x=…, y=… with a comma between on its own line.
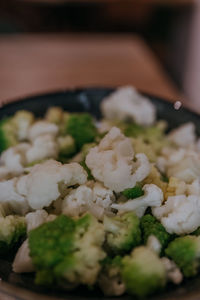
x=31, y=64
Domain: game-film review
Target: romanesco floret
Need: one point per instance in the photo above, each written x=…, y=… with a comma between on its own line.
x=122, y=233
x=143, y=272
x=151, y=226
x=110, y=280
x=7, y=134
x=12, y=229
x=67, y=249
x=82, y=128
x=185, y=252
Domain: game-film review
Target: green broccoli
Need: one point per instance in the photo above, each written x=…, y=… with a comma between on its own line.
x=67, y=249
x=151, y=226
x=122, y=233
x=185, y=252
x=134, y=192
x=143, y=272
x=110, y=280
x=82, y=128
x=12, y=230
x=7, y=134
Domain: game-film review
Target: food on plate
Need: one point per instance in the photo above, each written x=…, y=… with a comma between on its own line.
x=111, y=203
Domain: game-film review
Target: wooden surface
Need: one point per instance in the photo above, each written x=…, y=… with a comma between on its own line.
x=31, y=64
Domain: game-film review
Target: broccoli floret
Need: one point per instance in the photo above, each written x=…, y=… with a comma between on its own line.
x=143, y=272
x=67, y=249
x=185, y=252
x=12, y=229
x=82, y=128
x=7, y=134
x=110, y=280
x=122, y=233
x=133, y=192
x=151, y=226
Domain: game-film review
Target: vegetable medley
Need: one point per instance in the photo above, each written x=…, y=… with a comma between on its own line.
x=113, y=204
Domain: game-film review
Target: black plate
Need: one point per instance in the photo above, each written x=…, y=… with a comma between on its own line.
x=22, y=286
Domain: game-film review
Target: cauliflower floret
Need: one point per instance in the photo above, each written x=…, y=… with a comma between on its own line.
x=10, y=196
x=118, y=170
x=43, y=147
x=180, y=214
x=93, y=197
x=54, y=114
x=184, y=135
x=40, y=186
x=110, y=279
x=22, y=120
x=173, y=272
x=23, y=262
x=126, y=103
x=179, y=187
x=182, y=163
x=154, y=244
x=153, y=197
x=41, y=128
x=13, y=159
x=35, y=219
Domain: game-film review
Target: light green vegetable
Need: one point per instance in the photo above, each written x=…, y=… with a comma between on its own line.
x=143, y=272
x=122, y=233
x=12, y=229
x=185, y=252
x=8, y=134
x=67, y=249
x=151, y=226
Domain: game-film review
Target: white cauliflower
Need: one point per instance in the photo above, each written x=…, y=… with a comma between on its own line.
x=93, y=197
x=154, y=244
x=153, y=197
x=126, y=103
x=173, y=272
x=37, y=218
x=22, y=120
x=180, y=214
x=40, y=186
x=41, y=128
x=23, y=262
x=181, y=163
x=184, y=135
x=179, y=187
x=112, y=162
x=9, y=196
x=43, y=147
x=13, y=159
